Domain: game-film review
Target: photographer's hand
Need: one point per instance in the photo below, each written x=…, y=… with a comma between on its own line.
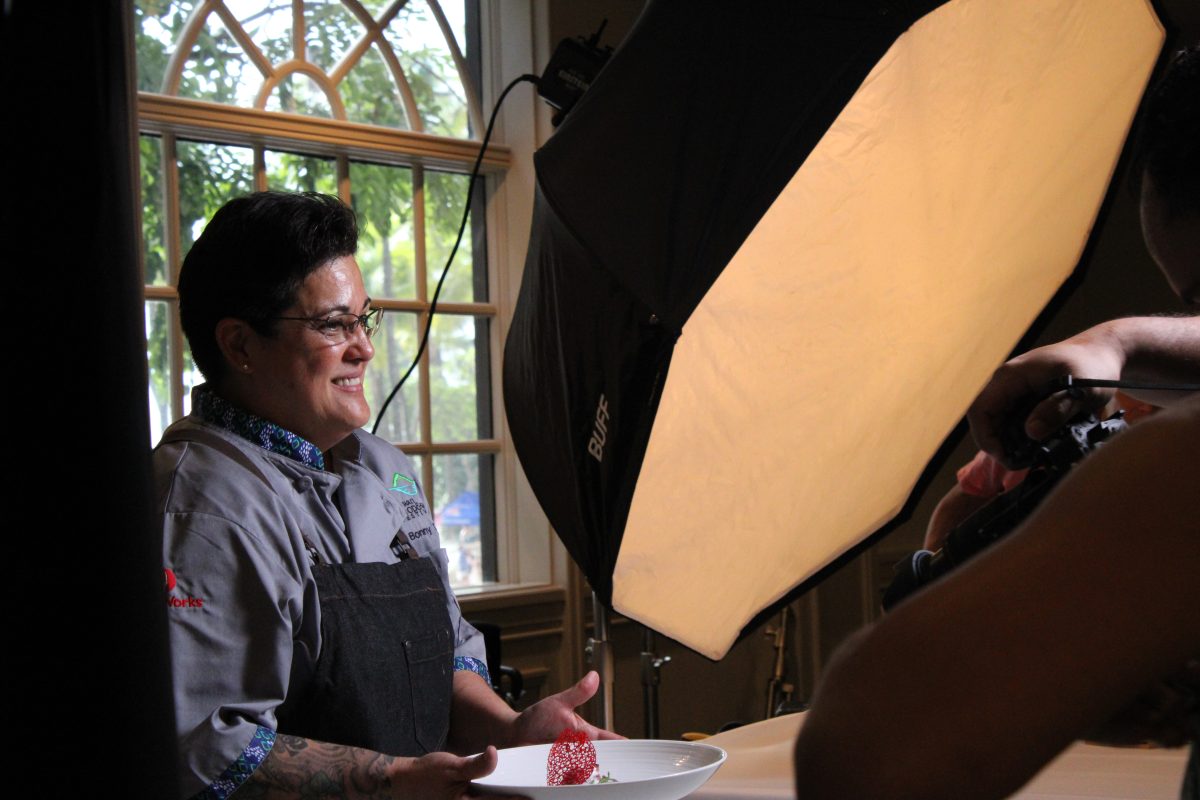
x=1160, y=349
x=1022, y=381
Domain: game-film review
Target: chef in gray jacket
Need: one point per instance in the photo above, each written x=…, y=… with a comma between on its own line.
x=315, y=640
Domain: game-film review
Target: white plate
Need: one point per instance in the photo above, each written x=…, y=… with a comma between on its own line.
x=643, y=769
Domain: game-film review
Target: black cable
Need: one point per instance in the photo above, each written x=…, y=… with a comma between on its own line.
x=1071, y=385
x=461, y=228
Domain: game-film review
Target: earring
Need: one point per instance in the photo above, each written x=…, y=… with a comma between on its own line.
x=246, y=366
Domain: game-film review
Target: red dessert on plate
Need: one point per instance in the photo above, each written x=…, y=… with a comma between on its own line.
x=572, y=759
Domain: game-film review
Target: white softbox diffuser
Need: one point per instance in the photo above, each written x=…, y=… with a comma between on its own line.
x=815, y=377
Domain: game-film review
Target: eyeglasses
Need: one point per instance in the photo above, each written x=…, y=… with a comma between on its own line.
x=339, y=328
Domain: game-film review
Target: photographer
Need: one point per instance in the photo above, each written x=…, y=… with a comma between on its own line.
x=1086, y=617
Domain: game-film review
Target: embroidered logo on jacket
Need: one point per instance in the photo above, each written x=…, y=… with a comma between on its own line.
x=403, y=484
x=170, y=582
x=413, y=509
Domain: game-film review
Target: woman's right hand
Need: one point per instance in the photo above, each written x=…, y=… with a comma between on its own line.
x=440, y=776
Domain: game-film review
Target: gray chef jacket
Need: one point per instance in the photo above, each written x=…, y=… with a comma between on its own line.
x=244, y=619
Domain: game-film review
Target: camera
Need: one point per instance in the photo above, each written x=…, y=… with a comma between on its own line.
x=1048, y=462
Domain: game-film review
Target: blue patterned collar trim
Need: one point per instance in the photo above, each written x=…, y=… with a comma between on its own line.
x=214, y=409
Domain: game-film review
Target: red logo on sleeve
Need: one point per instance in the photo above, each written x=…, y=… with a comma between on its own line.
x=178, y=602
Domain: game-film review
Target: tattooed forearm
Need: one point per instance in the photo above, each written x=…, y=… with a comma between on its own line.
x=303, y=768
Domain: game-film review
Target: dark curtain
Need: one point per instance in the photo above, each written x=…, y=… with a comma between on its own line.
x=90, y=704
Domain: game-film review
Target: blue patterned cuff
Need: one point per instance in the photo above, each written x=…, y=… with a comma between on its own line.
x=473, y=665
x=243, y=766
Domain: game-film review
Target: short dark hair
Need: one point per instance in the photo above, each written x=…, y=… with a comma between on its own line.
x=251, y=260
x=1170, y=137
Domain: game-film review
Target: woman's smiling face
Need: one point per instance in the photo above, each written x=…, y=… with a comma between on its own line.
x=301, y=380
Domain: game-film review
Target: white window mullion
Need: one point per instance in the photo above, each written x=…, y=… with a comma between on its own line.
x=260, y=168
x=191, y=127
x=343, y=179
x=423, y=296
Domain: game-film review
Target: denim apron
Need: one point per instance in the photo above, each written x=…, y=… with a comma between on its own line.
x=384, y=675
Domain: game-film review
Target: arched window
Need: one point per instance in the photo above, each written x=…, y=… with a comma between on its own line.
x=374, y=101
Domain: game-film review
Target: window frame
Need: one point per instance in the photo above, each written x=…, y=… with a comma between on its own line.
x=528, y=557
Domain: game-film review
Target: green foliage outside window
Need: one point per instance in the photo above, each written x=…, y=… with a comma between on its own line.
x=209, y=174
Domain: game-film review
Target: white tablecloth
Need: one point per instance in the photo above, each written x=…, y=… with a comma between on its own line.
x=760, y=766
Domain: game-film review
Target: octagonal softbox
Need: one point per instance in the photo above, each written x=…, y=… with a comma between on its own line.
x=777, y=249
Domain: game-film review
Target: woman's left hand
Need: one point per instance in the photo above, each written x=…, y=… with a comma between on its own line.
x=546, y=719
